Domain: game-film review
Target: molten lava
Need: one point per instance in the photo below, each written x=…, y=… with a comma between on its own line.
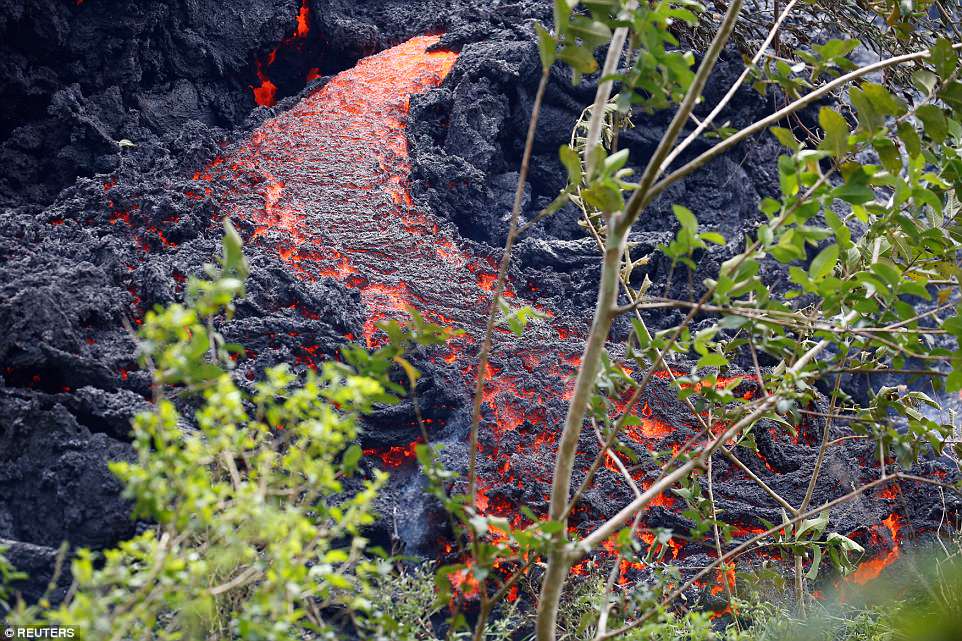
x=326, y=185
x=265, y=93
x=871, y=569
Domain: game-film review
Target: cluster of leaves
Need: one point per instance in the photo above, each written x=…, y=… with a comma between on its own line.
x=886, y=27
x=257, y=502
x=8, y=575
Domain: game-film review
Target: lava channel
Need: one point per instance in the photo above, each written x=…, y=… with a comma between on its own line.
x=326, y=185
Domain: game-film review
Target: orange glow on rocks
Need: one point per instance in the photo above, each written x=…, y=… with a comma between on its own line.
x=396, y=456
x=265, y=93
x=870, y=570
x=890, y=493
x=303, y=21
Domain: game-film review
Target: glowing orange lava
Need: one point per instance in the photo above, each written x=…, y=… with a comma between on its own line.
x=326, y=184
x=265, y=93
x=870, y=570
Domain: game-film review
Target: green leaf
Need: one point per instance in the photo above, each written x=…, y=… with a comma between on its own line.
x=889, y=154
x=855, y=194
x=517, y=319
x=686, y=218
x=712, y=359
x=816, y=562
x=616, y=161
x=592, y=33
x=924, y=80
x=953, y=382
x=412, y=373
x=603, y=197
x=572, y=162
x=844, y=542
x=869, y=118
x=579, y=58
x=551, y=527
x=910, y=138
x=943, y=58
x=882, y=100
x=836, y=48
x=352, y=456
x=836, y=132
x=934, y=121
x=547, y=45
x=816, y=525
x=952, y=96
x=562, y=15
x=824, y=263
x=601, y=9
x=786, y=137
x=769, y=206
x=712, y=237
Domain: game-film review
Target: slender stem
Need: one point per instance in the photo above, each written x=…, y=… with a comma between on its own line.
x=823, y=448
x=644, y=199
x=799, y=584
x=757, y=481
x=604, y=90
x=558, y=564
x=718, y=545
x=485, y=354
x=731, y=91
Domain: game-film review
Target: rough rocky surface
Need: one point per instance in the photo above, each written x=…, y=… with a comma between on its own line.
x=93, y=233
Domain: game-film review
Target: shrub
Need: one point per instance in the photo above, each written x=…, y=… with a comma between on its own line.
x=255, y=500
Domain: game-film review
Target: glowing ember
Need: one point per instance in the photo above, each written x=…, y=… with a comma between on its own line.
x=396, y=456
x=303, y=24
x=870, y=570
x=265, y=93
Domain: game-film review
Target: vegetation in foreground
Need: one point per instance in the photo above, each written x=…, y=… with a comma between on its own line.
x=260, y=505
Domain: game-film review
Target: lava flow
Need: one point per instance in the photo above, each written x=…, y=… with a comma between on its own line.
x=326, y=184
x=871, y=569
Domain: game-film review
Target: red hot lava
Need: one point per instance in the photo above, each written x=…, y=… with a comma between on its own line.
x=326, y=185
x=871, y=569
x=265, y=93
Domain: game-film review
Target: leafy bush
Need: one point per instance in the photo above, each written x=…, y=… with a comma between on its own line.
x=256, y=501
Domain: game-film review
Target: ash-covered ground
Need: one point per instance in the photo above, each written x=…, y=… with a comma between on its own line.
x=130, y=130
